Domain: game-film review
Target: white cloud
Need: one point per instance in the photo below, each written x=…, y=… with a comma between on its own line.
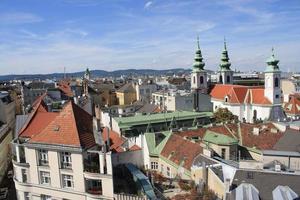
x=19, y=18
x=148, y=4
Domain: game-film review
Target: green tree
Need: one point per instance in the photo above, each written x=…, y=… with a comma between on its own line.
x=224, y=115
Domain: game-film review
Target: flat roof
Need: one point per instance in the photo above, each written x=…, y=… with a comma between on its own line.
x=160, y=117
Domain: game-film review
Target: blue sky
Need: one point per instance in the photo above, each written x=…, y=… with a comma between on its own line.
x=46, y=36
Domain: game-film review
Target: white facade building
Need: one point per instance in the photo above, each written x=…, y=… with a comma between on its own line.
x=252, y=103
x=61, y=156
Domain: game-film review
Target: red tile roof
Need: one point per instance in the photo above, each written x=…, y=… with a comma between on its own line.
x=293, y=106
x=116, y=140
x=266, y=140
x=71, y=127
x=64, y=87
x=238, y=94
x=37, y=120
x=179, y=150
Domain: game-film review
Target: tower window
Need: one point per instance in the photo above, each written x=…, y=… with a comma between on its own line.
x=276, y=82
x=194, y=80
x=201, y=79
x=221, y=79
x=228, y=79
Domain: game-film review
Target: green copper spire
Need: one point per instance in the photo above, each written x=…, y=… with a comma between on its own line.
x=225, y=64
x=198, y=60
x=272, y=63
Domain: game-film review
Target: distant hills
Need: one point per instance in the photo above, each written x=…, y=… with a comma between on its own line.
x=95, y=73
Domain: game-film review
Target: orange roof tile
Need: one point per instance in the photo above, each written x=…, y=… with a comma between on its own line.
x=293, y=106
x=239, y=94
x=178, y=150
x=72, y=127
x=64, y=86
x=116, y=140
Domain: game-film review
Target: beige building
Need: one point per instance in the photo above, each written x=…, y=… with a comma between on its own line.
x=126, y=94
x=7, y=123
x=61, y=156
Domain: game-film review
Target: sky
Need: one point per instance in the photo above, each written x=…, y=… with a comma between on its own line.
x=46, y=36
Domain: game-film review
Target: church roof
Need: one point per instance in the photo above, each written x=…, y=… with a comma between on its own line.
x=238, y=94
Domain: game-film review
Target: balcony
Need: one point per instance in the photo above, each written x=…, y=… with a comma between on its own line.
x=66, y=165
x=92, y=163
x=93, y=187
x=43, y=162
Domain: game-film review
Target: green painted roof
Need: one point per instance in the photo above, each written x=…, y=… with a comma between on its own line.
x=198, y=60
x=225, y=64
x=159, y=118
x=155, y=149
x=219, y=139
x=272, y=63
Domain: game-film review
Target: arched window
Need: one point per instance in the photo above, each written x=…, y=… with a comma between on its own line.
x=228, y=79
x=201, y=80
x=276, y=82
x=194, y=80
x=221, y=79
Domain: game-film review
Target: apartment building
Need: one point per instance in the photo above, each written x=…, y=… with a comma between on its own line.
x=7, y=122
x=61, y=155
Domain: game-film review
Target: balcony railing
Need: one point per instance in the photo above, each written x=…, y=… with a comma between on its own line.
x=93, y=187
x=65, y=165
x=43, y=162
x=92, y=167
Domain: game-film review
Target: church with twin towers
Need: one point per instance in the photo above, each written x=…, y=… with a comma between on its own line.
x=250, y=103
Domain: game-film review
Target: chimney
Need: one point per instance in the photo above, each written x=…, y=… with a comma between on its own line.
x=255, y=131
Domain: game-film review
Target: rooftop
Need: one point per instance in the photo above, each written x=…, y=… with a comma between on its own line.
x=159, y=117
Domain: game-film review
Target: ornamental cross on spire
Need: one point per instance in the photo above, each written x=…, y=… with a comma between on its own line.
x=198, y=43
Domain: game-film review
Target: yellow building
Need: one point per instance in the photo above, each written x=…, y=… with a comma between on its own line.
x=126, y=94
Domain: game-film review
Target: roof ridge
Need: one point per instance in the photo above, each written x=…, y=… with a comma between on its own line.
x=29, y=119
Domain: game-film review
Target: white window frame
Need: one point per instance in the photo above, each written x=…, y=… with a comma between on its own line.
x=154, y=165
x=45, y=178
x=43, y=157
x=24, y=174
x=66, y=159
x=26, y=196
x=67, y=178
x=45, y=197
x=168, y=171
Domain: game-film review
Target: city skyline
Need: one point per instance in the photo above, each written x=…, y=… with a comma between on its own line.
x=46, y=37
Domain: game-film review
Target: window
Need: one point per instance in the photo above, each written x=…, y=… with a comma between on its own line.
x=277, y=96
x=45, y=178
x=162, y=168
x=26, y=196
x=67, y=181
x=43, y=157
x=201, y=79
x=276, y=82
x=24, y=175
x=228, y=79
x=220, y=79
x=194, y=80
x=168, y=171
x=154, y=165
x=223, y=153
x=66, y=160
x=45, y=197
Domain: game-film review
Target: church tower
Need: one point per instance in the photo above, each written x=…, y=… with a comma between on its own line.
x=87, y=74
x=225, y=74
x=198, y=77
x=272, y=80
